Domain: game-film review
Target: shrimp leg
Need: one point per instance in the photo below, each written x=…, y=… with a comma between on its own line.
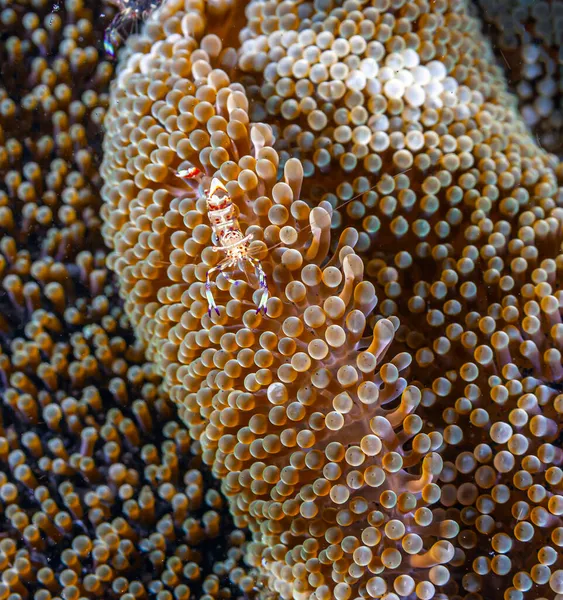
x=262, y=282
x=209, y=293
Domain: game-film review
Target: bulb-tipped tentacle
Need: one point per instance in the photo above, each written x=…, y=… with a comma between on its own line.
x=230, y=264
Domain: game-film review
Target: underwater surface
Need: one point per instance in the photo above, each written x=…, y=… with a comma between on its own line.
x=281, y=299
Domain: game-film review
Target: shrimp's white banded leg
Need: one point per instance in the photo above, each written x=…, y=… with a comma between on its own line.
x=262, y=283
x=209, y=293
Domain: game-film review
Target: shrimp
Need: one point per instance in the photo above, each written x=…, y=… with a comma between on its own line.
x=229, y=238
x=130, y=12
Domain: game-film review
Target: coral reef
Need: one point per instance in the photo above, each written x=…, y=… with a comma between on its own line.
x=102, y=492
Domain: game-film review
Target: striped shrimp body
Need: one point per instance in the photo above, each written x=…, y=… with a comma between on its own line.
x=229, y=238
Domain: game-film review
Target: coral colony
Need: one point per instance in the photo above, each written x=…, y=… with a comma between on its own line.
x=282, y=299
